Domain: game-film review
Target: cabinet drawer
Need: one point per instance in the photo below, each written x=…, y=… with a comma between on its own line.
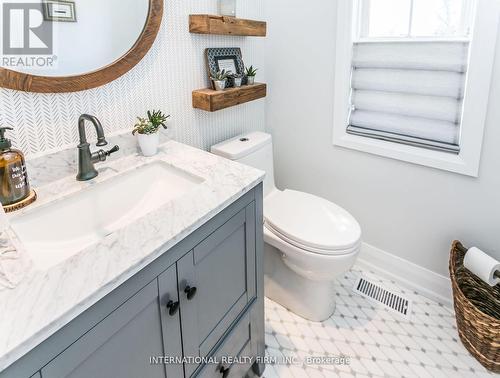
x=222, y=268
x=236, y=346
x=119, y=346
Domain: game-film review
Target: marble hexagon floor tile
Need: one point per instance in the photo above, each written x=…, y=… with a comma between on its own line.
x=378, y=342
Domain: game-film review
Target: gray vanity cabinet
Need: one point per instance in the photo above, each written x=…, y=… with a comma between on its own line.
x=222, y=271
x=201, y=298
x=119, y=346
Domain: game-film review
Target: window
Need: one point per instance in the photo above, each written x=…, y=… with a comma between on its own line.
x=409, y=64
x=412, y=79
x=415, y=18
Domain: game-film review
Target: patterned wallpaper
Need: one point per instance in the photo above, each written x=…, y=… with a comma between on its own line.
x=175, y=66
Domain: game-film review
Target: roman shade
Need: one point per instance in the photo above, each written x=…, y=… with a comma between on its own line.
x=409, y=92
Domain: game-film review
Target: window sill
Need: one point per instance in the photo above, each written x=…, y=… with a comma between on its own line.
x=416, y=155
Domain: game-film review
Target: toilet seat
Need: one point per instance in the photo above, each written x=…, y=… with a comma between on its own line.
x=309, y=249
x=311, y=223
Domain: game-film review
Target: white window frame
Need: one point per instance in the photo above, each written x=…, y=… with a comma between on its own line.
x=477, y=90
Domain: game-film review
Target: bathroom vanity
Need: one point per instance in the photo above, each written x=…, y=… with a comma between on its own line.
x=171, y=294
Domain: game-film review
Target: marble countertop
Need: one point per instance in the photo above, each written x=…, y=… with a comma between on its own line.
x=45, y=300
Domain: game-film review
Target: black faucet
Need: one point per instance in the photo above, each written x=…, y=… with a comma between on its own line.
x=87, y=159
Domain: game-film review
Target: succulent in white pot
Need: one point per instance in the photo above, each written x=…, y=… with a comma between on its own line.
x=219, y=79
x=147, y=129
x=250, y=74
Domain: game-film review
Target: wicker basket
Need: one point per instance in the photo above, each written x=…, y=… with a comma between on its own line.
x=477, y=308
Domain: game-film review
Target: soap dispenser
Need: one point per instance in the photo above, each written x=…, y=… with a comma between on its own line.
x=14, y=184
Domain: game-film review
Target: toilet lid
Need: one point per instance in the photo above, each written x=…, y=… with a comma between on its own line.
x=311, y=221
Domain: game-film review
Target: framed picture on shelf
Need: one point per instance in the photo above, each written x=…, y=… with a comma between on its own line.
x=227, y=63
x=225, y=58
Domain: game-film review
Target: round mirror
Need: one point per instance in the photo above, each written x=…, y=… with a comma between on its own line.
x=72, y=45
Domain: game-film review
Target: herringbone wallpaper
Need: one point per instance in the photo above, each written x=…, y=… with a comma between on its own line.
x=45, y=123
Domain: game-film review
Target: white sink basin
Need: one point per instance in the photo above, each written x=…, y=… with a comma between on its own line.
x=57, y=231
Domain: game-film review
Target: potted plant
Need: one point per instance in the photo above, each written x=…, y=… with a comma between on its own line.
x=251, y=73
x=147, y=131
x=238, y=79
x=219, y=78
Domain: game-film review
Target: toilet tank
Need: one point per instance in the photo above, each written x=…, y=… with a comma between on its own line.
x=254, y=149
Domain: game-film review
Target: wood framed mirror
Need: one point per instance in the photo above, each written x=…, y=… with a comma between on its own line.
x=124, y=31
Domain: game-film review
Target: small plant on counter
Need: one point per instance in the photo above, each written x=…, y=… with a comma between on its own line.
x=147, y=129
x=219, y=78
x=251, y=73
x=152, y=124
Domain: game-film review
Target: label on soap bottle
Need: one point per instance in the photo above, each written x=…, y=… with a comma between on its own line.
x=14, y=179
x=19, y=176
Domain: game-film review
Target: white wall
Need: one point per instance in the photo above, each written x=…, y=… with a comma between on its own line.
x=163, y=80
x=410, y=211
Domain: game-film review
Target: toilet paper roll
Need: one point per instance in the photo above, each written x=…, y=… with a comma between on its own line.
x=482, y=265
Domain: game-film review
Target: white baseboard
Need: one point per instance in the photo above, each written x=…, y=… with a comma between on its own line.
x=413, y=276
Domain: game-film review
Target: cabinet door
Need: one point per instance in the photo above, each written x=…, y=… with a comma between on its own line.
x=119, y=346
x=170, y=321
x=216, y=283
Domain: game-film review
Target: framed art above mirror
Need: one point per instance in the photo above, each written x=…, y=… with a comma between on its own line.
x=54, y=46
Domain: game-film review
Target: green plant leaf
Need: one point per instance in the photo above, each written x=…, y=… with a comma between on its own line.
x=250, y=71
x=154, y=120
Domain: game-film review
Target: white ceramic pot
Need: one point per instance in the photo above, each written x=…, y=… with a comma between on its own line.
x=220, y=85
x=149, y=143
x=250, y=80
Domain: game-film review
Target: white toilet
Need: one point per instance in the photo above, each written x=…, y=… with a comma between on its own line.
x=309, y=241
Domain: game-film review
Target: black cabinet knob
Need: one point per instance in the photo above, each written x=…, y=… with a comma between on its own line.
x=173, y=307
x=190, y=292
x=224, y=371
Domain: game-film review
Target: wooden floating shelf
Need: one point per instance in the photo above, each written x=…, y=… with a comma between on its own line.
x=211, y=100
x=224, y=25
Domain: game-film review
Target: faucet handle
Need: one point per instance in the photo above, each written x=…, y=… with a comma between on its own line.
x=102, y=155
x=113, y=150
